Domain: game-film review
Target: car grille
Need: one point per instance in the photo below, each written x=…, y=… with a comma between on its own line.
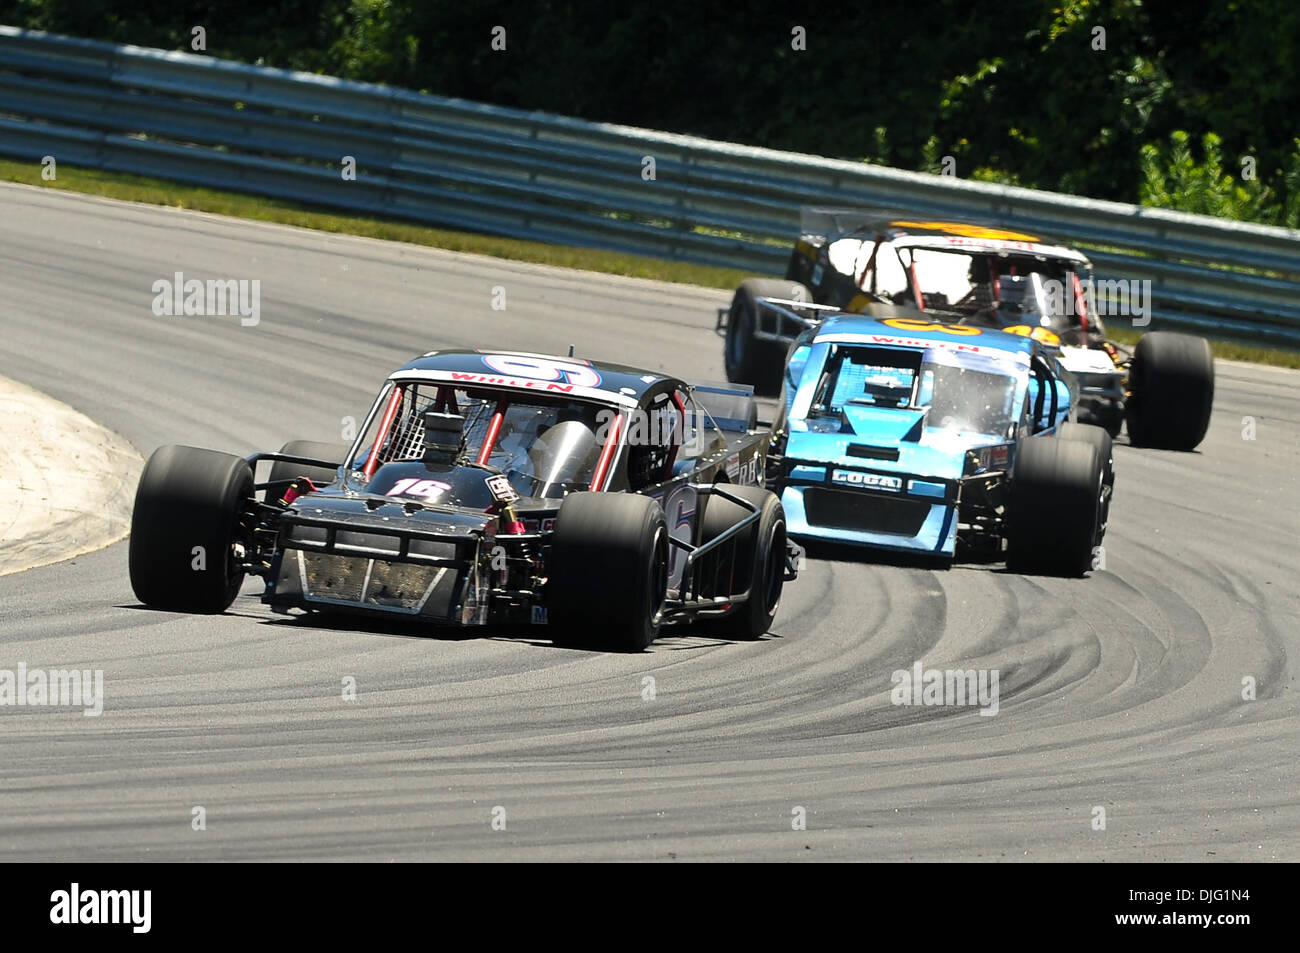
x=333, y=577
x=864, y=512
x=401, y=586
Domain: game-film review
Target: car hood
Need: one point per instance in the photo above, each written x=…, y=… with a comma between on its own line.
x=938, y=453
x=395, y=513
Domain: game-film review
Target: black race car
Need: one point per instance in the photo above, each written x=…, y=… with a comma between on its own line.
x=490, y=488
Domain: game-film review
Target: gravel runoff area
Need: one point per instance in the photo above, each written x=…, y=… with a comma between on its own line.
x=68, y=482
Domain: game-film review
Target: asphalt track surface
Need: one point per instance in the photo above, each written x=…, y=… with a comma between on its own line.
x=1121, y=691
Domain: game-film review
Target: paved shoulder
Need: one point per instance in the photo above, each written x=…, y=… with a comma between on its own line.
x=68, y=482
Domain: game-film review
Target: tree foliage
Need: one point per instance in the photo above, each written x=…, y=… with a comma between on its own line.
x=1094, y=97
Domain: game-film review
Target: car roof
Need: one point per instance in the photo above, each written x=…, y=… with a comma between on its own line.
x=922, y=232
x=986, y=240
x=524, y=370
x=918, y=333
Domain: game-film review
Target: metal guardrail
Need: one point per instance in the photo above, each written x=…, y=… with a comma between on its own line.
x=460, y=164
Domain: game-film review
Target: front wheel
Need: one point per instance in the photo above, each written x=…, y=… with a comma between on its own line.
x=608, y=571
x=1102, y=439
x=185, y=529
x=1054, y=507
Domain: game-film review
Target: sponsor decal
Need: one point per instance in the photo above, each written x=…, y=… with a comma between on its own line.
x=873, y=481
x=917, y=324
x=543, y=369
x=499, y=486
x=1045, y=335
x=993, y=458
x=889, y=340
x=512, y=382
x=969, y=231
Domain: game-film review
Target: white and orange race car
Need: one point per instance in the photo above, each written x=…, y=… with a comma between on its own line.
x=960, y=273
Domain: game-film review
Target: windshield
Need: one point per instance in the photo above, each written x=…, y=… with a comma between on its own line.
x=1001, y=289
x=975, y=395
x=545, y=446
x=971, y=392
x=866, y=376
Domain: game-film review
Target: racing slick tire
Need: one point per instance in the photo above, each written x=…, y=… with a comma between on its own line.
x=750, y=361
x=1171, y=391
x=1054, y=507
x=184, y=527
x=1101, y=439
x=756, y=561
x=608, y=571
x=311, y=449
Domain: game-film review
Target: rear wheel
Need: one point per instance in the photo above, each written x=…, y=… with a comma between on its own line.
x=608, y=572
x=749, y=360
x=1054, y=507
x=313, y=450
x=185, y=527
x=755, y=562
x=1171, y=391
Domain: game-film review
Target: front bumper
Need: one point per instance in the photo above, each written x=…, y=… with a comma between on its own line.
x=1097, y=385
x=920, y=517
x=372, y=566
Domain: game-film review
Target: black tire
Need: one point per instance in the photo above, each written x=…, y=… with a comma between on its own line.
x=188, y=498
x=312, y=450
x=1054, y=507
x=608, y=571
x=761, y=363
x=1171, y=391
x=756, y=562
x=1100, y=438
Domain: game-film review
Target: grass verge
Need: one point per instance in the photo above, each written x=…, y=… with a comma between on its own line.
x=136, y=188
x=1228, y=350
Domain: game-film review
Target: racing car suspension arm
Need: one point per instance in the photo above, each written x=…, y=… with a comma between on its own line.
x=257, y=520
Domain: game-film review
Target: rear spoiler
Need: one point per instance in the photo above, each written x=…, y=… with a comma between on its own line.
x=731, y=406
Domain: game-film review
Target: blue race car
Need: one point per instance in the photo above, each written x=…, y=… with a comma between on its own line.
x=905, y=434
